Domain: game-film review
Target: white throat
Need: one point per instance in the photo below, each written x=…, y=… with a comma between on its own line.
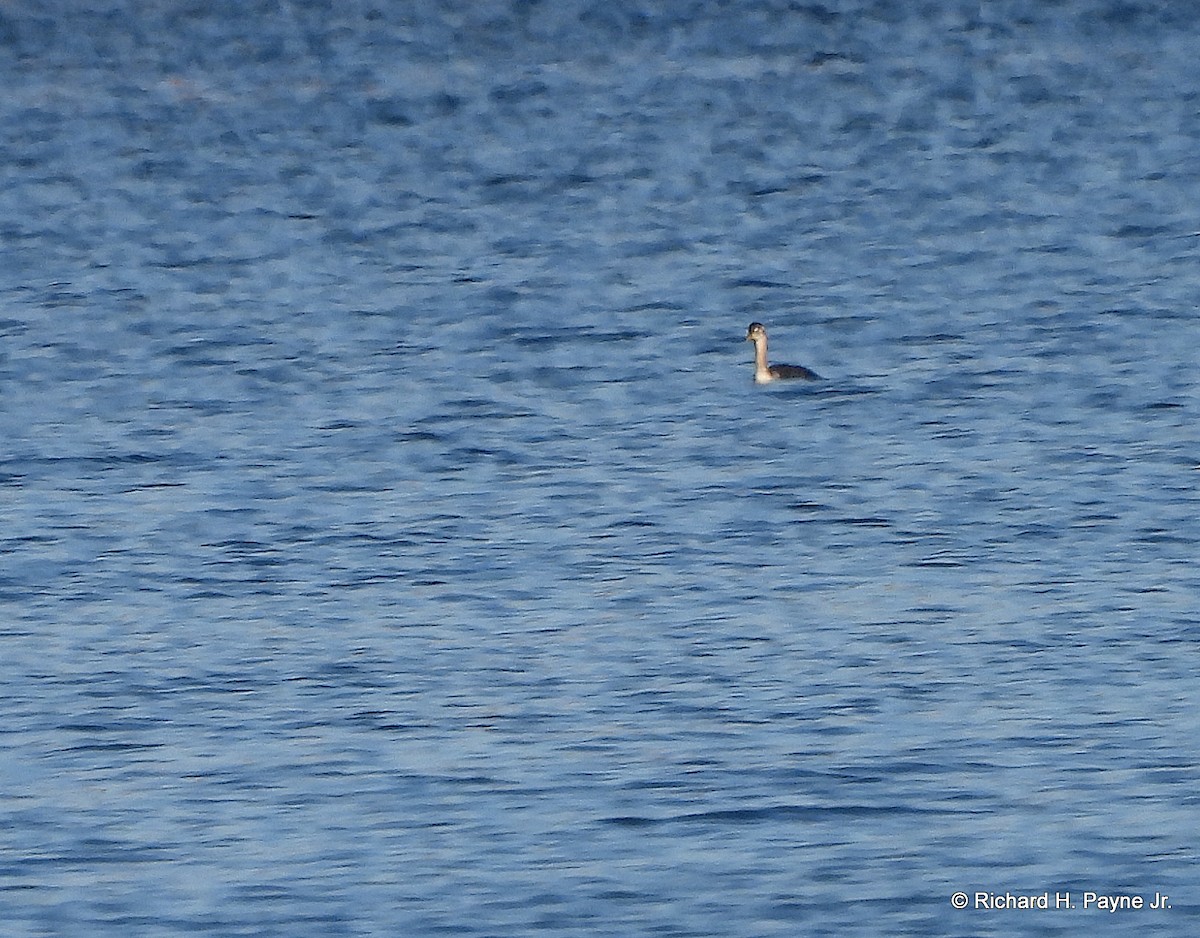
x=762, y=374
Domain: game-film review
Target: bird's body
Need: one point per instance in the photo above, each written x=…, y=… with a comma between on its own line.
x=764, y=373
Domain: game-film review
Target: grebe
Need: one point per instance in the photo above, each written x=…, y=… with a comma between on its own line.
x=763, y=372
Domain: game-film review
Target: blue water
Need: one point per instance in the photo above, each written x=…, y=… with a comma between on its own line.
x=393, y=539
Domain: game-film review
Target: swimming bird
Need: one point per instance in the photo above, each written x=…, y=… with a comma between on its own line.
x=757, y=333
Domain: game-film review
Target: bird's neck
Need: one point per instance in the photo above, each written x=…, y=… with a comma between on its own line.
x=761, y=371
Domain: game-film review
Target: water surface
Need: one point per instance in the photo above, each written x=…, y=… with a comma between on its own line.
x=394, y=541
